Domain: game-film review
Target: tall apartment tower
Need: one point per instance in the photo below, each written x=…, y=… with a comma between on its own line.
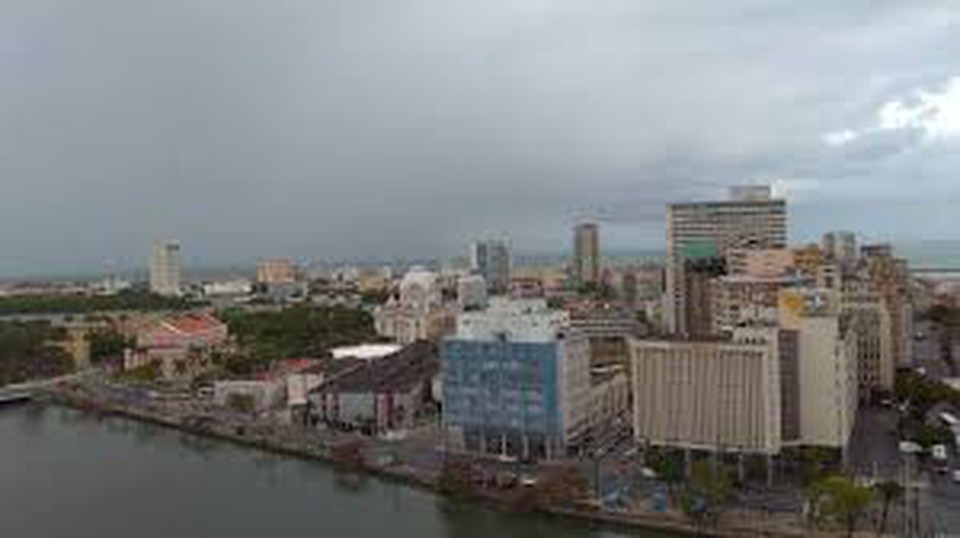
x=839, y=246
x=586, y=254
x=750, y=220
x=491, y=260
x=165, y=268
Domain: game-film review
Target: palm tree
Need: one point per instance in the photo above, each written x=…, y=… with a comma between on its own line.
x=889, y=491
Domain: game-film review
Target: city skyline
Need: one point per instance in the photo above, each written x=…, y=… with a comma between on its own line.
x=390, y=130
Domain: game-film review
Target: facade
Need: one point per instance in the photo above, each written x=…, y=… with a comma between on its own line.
x=180, y=344
x=889, y=276
x=808, y=259
x=867, y=316
x=761, y=263
x=418, y=313
x=516, y=380
x=165, y=269
x=586, y=254
x=491, y=260
x=699, y=280
x=743, y=300
x=608, y=329
x=751, y=220
x=709, y=394
x=827, y=365
x=471, y=292
x=380, y=395
x=262, y=394
x=276, y=271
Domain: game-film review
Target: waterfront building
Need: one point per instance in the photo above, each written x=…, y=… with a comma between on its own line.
x=379, y=395
x=165, y=269
x=517, y=380
x=491, y=260
x=709, y=393
x=750, y=220
x=179, y=344
x=418, y=313
x=586, y=255
x=276, y=271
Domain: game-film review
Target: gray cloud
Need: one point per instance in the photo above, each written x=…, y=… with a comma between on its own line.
x=335, y=129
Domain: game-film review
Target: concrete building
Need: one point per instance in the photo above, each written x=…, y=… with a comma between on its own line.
x=608, y=328
x=807, y=260
x=839, y=247
x=750, y=220
x=491, y=260
x=586, y=254
x=699, y=280
x=761, y=263
x=471, y=292
x=517, y=380
x=709, y=394
x=827, y=365
x=889, y=276
x=165, y=269
x=276, y=271
x=419, y=313
x=744, y=300
x=867, y=316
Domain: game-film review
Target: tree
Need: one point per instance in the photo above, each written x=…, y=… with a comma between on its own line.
x=107, y=344
x=668, y=465
x=889, y=492
x=844, y=501
x=562, y=486
x=456, y=478
x=707, y=493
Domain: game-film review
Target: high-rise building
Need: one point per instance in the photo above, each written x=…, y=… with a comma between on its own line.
x=750, y=220
x=839, y=247
x=586, y=254
x=491, y=260
x=165, y=268
x=889, y=276
x=517, y=381
x=276, y=271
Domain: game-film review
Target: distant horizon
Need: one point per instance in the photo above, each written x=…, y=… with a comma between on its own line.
x=923, y=253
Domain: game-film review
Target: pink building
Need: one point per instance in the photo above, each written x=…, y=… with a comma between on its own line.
x=181, y=344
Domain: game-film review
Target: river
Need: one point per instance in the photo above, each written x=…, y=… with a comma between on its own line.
x=66, y=473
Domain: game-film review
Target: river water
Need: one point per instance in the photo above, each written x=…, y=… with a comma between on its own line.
x=66, y=473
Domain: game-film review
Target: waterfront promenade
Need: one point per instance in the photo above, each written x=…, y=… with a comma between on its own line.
x=415, y=461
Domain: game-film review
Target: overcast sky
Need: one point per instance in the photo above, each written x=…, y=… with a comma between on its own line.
x=331, y=129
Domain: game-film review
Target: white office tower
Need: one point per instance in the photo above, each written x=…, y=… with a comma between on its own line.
x=702, y=233
x=165, y=269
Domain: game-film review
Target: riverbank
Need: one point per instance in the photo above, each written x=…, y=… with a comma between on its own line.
x=307, y=448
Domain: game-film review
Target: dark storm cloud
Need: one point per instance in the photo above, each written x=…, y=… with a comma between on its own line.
x=381, y=128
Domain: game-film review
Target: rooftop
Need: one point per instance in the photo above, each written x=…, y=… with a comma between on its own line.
x=365, y=351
